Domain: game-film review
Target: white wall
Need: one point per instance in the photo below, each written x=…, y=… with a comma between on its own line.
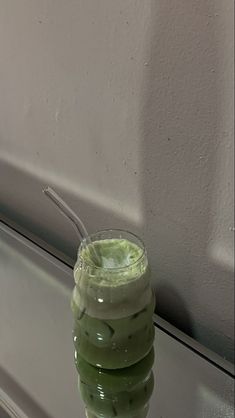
x=126, y=108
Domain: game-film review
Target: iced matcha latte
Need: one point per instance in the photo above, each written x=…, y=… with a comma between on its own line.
x=112, y=301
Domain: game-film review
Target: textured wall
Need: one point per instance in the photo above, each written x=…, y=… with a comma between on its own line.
x=126, y=108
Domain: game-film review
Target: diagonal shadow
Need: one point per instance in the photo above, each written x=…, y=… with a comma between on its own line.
x=180, y=115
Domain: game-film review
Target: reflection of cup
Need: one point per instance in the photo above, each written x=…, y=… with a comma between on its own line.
x=122, y=393
x=112, y=302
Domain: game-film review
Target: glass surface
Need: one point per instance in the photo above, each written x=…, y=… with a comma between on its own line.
x=112, y=302
x=37, y=369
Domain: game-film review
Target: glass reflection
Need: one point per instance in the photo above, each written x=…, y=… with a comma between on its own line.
x=123, y=393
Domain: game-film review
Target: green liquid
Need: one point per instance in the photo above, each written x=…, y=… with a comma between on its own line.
x=118, y=393
x=113, y=306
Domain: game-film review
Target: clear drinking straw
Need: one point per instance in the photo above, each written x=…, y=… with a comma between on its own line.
x=74, y=219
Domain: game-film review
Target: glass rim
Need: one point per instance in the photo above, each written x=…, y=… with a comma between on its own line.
x=110, y=230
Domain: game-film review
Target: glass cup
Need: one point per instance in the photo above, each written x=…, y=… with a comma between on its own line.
x=112, y=300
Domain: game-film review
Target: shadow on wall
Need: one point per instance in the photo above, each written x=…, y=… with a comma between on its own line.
x=179, y=116
x=173, y=308
x=25, y=212
x=179, y=113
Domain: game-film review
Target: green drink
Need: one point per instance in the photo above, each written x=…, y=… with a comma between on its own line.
x=120, y=393
x=112, y=302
